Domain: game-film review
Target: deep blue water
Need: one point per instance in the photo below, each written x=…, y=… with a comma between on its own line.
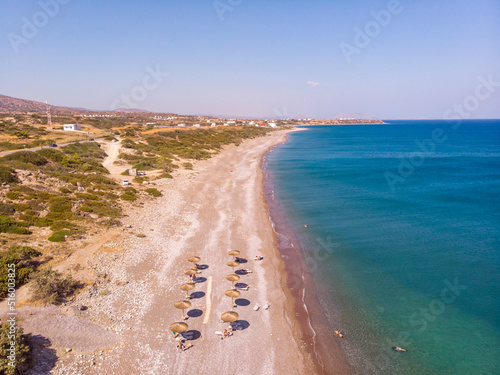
x=406, y=257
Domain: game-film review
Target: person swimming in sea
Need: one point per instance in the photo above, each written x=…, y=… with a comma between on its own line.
x=339, y=333
x=398, y=349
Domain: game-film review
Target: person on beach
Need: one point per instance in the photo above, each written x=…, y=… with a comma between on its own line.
x=225, y=334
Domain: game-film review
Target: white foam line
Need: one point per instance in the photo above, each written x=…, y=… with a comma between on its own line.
x=209, y=301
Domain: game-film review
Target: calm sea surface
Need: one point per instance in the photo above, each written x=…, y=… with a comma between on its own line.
x=403, y=238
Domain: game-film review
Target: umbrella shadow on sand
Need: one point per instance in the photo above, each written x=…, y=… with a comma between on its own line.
x=194, y=313
x=243, y=324
x=241, y=260
x=200, y=280
x=192, y=334
x=197, y=295
x=202, y=266
x=241, y=272
x=242, y=302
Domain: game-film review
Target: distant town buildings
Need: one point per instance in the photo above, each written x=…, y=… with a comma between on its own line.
x=72, y=127
x=97, y=115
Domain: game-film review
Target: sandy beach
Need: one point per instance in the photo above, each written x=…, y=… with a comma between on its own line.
x=123, y=326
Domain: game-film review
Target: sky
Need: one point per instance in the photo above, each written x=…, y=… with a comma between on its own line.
x=408, y=59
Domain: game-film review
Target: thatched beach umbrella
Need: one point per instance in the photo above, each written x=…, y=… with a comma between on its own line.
x=187, y=287
x=190, y=272
x=182, y=305
x=233, y=264
x=233, y=253
x=230, y=316
x=233, y=293
x=194, y=259
x=232, y=277
x=178, y=327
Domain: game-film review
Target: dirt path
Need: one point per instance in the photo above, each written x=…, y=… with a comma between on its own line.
x=113, y=149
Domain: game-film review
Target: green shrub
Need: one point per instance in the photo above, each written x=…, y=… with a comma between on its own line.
x=188, y=166
x=16, y=164
x=145, y=165
x=59, y=236
x=60, y=225
x=9, y=225
x=153, y=192
x=21, y=342
x=125, y=173
x=51, y=154
x=87, y=196
x=44, y=196
x=23, y=189
x=60, y=208
x=7, y=209
x=111, y=196
x=51, y=287
x=21, y=207
x=14, y=195
x=64, y=190
x=130, y=189
x=20, y=256
x=165, y=175
x=140, y=179
x=27, y=157
x=42, y=222
x=128, y=196
x=7, y=175
x=101, y=209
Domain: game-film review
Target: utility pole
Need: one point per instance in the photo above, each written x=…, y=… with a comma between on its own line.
x=49, y=116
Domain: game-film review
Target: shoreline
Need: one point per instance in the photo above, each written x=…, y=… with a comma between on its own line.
x=324, y=348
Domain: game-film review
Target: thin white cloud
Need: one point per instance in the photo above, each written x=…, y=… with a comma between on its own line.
x=312, y=83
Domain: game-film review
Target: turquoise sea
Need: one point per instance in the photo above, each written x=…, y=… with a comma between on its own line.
x=402, y=239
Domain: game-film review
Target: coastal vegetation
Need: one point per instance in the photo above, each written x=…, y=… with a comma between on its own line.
x=22, y=354
x=65, y=189
x=51, y=287
x=25, y=264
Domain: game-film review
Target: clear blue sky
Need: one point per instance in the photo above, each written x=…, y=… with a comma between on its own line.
x=262, y=58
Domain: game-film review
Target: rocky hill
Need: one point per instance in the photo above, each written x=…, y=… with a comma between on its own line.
x=9, y=104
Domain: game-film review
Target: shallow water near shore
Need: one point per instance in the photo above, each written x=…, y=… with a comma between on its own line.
x=402, y=239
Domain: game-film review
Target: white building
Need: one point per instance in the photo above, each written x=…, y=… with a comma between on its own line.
x=72, y=127
x=272, y=124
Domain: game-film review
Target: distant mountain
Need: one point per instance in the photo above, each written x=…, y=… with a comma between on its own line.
x=134, y=110
x=9, y=104
x=360, y=116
